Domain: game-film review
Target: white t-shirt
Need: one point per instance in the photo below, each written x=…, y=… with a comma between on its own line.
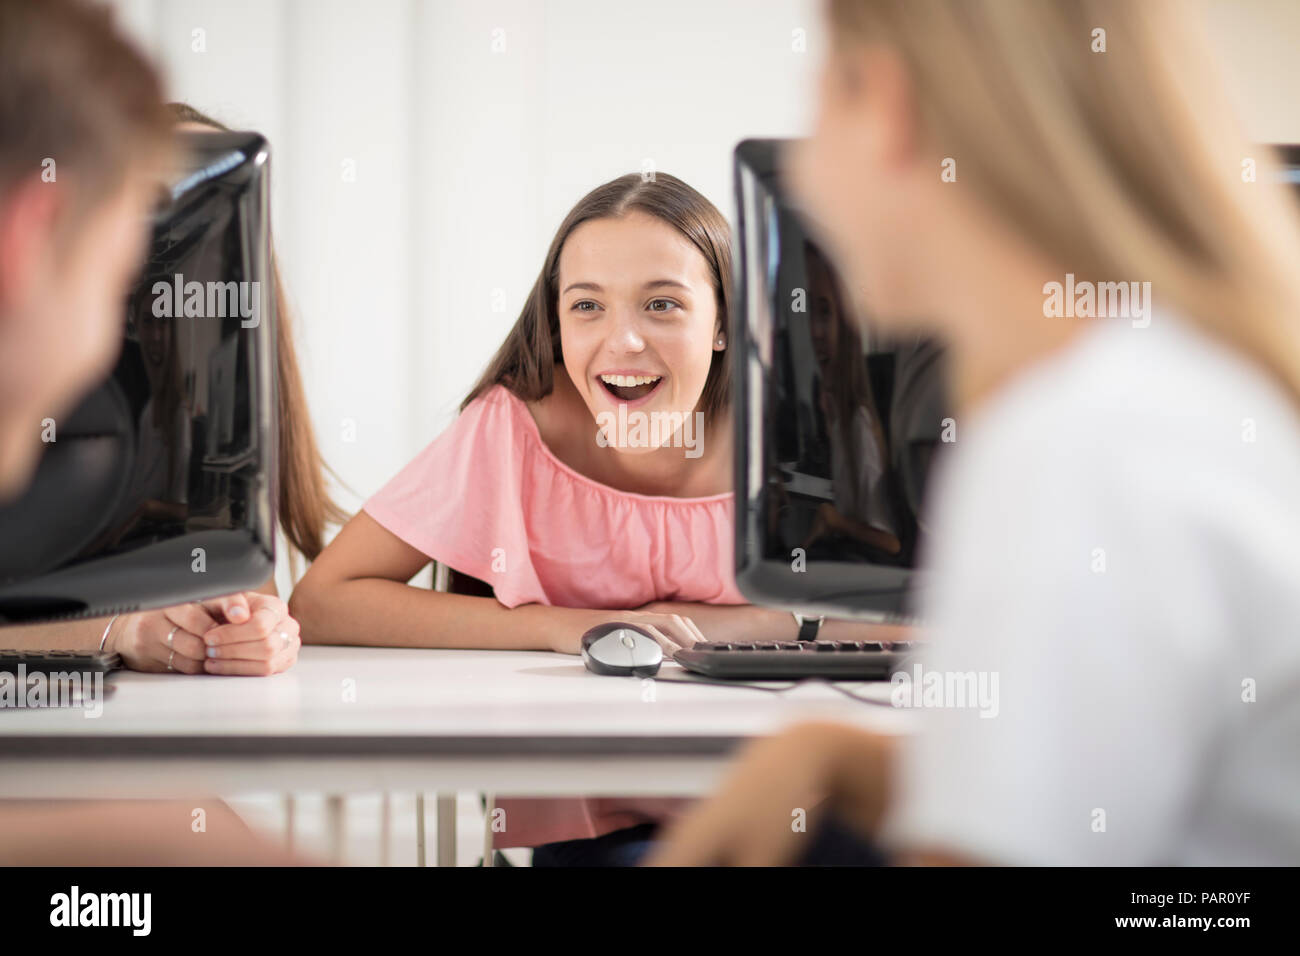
x=1117, y=539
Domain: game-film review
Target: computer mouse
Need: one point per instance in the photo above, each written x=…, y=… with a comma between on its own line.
x=621, y=650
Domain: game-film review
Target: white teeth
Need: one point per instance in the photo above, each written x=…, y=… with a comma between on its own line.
x=626, y=381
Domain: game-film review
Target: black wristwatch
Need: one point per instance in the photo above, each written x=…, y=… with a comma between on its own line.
x=808, y=626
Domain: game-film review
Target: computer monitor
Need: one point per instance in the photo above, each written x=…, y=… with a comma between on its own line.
x=1289, y=163
x=836, y=426
x=158, y=488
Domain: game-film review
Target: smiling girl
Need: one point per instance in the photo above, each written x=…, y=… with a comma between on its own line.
x=571, y=524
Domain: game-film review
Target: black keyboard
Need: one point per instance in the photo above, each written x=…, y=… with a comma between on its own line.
x=793, y=660
x=53, y=662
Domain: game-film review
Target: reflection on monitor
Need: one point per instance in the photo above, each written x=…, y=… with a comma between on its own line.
x=157, y=489
x=836, y=425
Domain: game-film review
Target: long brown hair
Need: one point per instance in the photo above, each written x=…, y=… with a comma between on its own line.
x=305, y=504
x=525, y=363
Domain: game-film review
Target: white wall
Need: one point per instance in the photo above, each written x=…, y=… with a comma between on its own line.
x=1259, y=40
x=473, y=125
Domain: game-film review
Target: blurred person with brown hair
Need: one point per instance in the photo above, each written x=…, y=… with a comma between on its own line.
x=1115, y=532
x=84, y=140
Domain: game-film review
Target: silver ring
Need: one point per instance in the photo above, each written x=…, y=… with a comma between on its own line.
x=171, y=634
x=171, y=658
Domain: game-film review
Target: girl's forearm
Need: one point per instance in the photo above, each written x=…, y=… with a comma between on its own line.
x=381, y=613
x=79, y=635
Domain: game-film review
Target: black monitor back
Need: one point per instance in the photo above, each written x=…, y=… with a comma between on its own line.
x=158, y=488
x=836, y=426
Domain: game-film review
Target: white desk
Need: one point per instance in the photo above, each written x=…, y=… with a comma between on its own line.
x=526, y=723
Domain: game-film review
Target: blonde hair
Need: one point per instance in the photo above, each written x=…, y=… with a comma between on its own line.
x=1125, y=164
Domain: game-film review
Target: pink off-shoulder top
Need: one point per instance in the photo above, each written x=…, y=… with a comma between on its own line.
x=491, y=500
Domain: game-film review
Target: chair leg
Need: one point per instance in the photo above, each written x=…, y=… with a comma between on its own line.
x=385, y=828
x=290, y=808
x=447, y=829
x=335, y=827
x=419, y=830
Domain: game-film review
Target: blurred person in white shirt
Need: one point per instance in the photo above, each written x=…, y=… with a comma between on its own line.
x=1116, y=530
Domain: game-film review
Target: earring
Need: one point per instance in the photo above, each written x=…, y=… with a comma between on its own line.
x=722, y=340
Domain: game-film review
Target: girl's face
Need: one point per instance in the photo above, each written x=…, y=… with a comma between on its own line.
x=638, y=317
x=823, y=311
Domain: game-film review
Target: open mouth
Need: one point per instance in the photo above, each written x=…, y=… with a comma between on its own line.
x=629, y=388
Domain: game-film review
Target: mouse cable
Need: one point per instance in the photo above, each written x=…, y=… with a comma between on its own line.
x=785, y=688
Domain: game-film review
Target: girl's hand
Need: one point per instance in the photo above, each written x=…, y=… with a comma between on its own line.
x=251, y=633
x=142, y=640
x=673, y=631
x=255, y=636
x=825, y=521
